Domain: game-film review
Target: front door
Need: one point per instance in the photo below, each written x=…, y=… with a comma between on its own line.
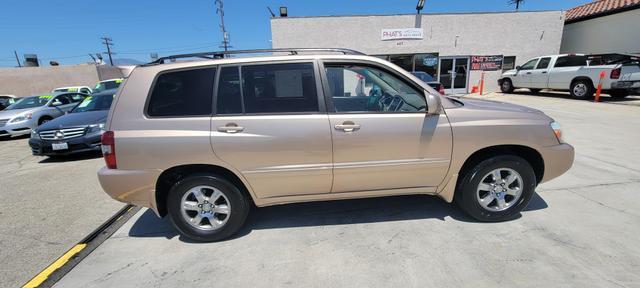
x=382, y=137
x=270, y=126
x=454, y=73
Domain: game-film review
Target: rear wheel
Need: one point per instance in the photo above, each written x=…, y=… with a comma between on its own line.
x=619, y=94
x=496, y=189
x=581, y=89
x=506, y=86
x=207, y=207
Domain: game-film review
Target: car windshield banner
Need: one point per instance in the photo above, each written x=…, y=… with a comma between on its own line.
x=486, y=63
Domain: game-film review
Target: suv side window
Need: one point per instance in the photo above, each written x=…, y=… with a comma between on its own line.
x=279, y=88
x=182, y=93
x=529, y=65
x=571, y=61
x=544, y=63
x=229, y=99
x=357, y=88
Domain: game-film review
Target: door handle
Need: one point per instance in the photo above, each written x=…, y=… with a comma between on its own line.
x=347, y=126
x=231, y=128
x=544, y=72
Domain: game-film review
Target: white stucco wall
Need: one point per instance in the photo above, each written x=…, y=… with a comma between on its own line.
x=524, y=35
x=617, y=33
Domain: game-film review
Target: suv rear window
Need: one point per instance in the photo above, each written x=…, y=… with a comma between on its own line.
x=571, y=61
x=183, y=93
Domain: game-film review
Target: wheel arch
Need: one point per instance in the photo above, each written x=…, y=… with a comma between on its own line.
x=578, y=78
x=531, y=155
x=170, y=176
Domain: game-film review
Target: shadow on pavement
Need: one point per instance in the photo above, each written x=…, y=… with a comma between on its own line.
x=9, y=138
x=72, y=157
x=396, y=208
x=565, y=95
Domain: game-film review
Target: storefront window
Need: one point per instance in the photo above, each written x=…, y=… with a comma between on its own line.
x=404, y=61
x=427, y=63
x=508, y=63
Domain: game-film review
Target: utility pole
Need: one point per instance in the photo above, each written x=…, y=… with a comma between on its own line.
x=225, y=35
x=17, y=59
x=108, y=42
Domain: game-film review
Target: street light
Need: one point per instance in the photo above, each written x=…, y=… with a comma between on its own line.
x=420, y=5
x=283, y=11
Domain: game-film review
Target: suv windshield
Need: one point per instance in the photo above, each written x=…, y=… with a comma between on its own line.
x=94, y=103
x=106, y=85
x=30, y=102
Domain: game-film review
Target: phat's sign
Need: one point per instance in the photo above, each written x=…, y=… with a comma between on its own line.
x=403, y=33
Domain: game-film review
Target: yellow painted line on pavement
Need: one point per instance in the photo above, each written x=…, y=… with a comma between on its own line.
x=42, y=276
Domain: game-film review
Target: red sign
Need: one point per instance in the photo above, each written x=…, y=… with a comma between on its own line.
x=486, y=63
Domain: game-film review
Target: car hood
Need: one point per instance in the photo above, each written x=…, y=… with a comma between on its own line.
x=7, y=114
x=75, y=120
x=498, y=109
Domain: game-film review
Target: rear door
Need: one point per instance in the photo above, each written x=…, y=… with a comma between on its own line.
x=565, y=69
x=272, y=128
x=540, y=75
x=382, y=137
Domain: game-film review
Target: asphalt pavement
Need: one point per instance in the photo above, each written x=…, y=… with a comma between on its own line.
x=580, y=230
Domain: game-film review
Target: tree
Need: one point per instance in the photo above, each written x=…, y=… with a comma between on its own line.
x=517, y=3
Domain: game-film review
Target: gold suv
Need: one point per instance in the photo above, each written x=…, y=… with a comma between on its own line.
x=203, y=141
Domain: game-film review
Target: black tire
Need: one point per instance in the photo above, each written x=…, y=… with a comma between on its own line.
x=44, y=120
x=619, y=94
x=467, y=188
x=586, y=94
x=535, y=91
x=506, y=86
x=237, y=200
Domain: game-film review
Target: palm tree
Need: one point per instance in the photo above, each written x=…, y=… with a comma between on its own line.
x=517, y=2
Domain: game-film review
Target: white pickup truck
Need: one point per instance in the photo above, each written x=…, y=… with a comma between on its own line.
x=567, y=72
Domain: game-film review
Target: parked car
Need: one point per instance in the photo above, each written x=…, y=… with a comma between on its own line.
x=426, y=78
x=567, y=72
x=107, y=85
x=80, y=89
x=77, y=131
x=29, y=112
x=297, y=128
x=6, y=100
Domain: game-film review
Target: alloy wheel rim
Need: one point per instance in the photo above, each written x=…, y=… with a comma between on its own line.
x=205, y=208
x=499, y=189
x=580, y=89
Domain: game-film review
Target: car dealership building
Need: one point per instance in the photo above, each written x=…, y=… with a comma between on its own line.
x=455, y=49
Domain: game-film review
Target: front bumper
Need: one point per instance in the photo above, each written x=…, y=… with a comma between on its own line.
x=86, y=143
x=17, y=129
x=136, y=187
x=557, y=160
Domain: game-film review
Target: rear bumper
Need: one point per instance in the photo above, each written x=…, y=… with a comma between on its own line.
x=557, y=160
x=136, y=187
x=625, y=85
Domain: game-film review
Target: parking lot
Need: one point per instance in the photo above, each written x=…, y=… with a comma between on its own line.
x=580, y=230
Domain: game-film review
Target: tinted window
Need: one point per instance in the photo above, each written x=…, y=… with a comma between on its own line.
x=94, y=103
x=571, y=61
x=279, y=88
x=182, y=93
x=529, y=65
x=544, y=63
x=229, y=97
x=366, y=89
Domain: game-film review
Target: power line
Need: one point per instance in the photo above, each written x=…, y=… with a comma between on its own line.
x=108, y=42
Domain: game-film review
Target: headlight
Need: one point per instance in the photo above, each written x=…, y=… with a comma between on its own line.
x=34, y=134
x=555, y=126
x=20, y=118
x=95, y=128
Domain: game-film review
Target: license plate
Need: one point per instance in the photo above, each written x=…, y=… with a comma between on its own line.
x=59, y=146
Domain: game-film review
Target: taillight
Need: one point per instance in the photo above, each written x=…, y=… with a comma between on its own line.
x=441, y=89
x=615, y=73
x=109, y=149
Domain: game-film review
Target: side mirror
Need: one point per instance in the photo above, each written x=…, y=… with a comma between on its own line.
x=433, y=103
x=518, y=67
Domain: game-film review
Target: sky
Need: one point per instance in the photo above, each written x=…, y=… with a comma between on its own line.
x=68, y=30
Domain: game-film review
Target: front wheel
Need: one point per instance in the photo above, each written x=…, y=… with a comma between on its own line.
x=506, y=86
x=496, y=189
x=207, y=207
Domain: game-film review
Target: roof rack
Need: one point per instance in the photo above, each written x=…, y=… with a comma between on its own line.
x=222, y=54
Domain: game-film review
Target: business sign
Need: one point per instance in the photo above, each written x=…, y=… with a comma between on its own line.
x=403, y=33
x=486, y=63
